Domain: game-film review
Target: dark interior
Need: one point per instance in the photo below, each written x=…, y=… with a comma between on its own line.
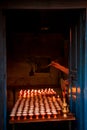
x=36, y=36
x=39, y=24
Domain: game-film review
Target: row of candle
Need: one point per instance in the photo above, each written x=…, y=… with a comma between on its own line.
x=32, y=92
x=37, y=106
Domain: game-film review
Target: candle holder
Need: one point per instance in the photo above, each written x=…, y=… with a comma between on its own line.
x=64, y=108
x=31, y=116
x=12, y=118
x=55, y=115
x=49, y=115
x=37, y=115
x=43, y=115
x=25, y=117
x=18, y=118
x=12, y=115
x=59, y=112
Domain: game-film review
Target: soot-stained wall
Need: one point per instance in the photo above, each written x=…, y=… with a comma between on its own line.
x=31, y=36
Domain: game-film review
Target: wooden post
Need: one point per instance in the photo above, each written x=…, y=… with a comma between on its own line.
x=2, y=73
